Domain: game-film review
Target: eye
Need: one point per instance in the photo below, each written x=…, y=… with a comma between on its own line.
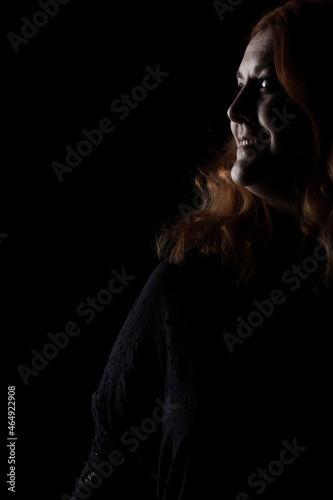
x=266, y=82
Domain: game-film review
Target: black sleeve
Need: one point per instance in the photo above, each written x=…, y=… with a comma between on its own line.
x=128, y=404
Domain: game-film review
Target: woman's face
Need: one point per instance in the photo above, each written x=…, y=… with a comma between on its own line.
x=272, y=135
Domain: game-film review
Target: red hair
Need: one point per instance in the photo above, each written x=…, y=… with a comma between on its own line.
x=236, y=224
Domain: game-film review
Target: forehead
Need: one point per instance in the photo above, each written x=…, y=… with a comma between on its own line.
x=259, y=53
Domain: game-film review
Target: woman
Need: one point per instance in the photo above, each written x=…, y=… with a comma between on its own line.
x=217, y=383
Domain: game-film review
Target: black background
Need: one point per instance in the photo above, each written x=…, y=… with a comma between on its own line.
x=63, y=239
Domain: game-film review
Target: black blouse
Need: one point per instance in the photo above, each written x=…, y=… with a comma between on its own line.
x=216, y=391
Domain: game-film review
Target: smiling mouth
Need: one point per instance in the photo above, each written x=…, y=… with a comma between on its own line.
x=243, y=143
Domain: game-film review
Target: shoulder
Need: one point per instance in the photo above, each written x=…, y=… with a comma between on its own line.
x=163, y=282
x=168, y=274
x=195, y=276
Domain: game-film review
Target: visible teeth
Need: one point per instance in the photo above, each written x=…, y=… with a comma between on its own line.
x=247, y=142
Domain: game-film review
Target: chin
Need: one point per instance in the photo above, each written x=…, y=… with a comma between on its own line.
x=245, y=174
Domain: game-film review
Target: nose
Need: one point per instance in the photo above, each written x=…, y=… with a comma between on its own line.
x=243, y=109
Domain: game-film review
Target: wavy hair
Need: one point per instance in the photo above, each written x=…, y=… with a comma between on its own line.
x=235, y=224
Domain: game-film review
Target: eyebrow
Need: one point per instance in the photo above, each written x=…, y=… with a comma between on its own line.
x=258, y=69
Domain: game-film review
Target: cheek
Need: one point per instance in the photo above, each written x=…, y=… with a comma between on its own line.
x=277, y=118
